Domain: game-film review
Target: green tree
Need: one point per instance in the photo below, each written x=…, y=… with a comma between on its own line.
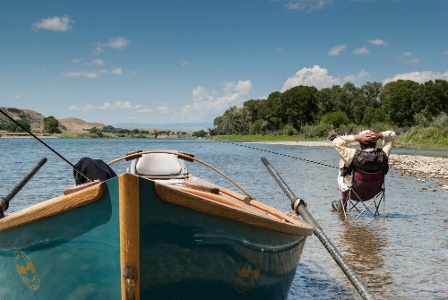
x=109, y=128
x=200, y=133
x=51, y=125
x=397, y=98
x=96, y=131
x=431, y=98
x=234, y=121
x=335, y=119
x=299, y=106
x=13, y=127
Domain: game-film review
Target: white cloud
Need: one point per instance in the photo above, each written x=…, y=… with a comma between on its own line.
x=361, y=51
x=307, y=5
x=315, y=76
x=117, y=71
x=98, y=50
x=361, y=76
x=144, y=109
x=98, y=62
x=55, y=24
x=90, y=75
x=95, y=62
x=204, y=103
x=408, y=58
x=420, y=77
x=117, y=104
x=164, y=109
x=125, y=104
x=413, y=61
x=117, y=43
x=88, y=107
x=336, y=50
x=106, y=105
x=378, y=42
x=184, y=63
x=405, y=54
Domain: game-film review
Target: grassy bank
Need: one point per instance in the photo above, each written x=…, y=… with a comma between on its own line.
x=424, y=139
x=418, y=139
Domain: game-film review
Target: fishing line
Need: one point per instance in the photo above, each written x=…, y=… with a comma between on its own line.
x=46, y=145
x=276, y=153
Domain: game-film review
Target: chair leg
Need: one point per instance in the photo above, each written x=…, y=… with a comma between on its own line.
x=366, y=205
x=344, y=206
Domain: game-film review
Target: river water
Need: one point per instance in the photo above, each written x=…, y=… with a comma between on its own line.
x=403, y=255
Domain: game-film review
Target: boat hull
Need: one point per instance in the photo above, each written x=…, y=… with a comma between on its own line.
x=176, y=252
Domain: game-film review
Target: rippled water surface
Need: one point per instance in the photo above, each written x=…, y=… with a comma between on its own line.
x=401, y=256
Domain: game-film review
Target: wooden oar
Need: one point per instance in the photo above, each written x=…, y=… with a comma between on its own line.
x=4, y=202
x=299, y=207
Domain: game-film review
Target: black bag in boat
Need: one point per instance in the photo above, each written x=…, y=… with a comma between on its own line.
x=94, y=169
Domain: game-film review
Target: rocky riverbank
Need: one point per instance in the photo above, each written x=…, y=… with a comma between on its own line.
x=422, y=167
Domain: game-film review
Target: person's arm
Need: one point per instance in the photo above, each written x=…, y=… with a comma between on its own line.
x=340, y=143
x=388, y=138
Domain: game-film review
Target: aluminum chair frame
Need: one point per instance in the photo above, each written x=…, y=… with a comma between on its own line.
x=355, y=202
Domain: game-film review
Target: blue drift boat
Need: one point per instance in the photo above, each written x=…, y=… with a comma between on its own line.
x=155, y=232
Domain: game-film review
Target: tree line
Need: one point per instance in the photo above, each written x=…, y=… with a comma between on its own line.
x=305, y=109
x=51, y=125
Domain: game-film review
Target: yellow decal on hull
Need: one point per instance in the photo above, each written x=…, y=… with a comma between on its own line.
x=248, y=274
x=26, y=270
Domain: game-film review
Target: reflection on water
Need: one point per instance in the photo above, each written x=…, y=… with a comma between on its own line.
x=364, y=245
x=403, y=256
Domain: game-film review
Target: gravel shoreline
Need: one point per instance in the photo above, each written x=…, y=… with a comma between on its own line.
x=422, y=167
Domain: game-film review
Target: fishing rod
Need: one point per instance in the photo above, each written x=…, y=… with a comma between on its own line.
x=277, y=153
x=46, y=145
x=299, y=206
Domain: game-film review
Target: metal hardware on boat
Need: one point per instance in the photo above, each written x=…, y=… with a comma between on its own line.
x=297, y=203
x=130, y=275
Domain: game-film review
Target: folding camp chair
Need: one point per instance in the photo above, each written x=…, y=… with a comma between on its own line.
x=367, y=193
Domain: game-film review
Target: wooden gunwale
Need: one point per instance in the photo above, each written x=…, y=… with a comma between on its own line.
x=245, y=201
x=216, y=205
x=53, y=206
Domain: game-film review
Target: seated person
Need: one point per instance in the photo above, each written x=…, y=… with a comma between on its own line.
x=368, y=158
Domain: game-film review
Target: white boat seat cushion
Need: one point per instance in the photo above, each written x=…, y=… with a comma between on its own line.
x=160, y=164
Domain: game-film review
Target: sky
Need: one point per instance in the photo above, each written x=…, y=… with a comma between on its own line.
x=179, y=61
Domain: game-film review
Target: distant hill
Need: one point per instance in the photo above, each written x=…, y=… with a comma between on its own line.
x=173, y=126
x=36, y=120
x=75, y=125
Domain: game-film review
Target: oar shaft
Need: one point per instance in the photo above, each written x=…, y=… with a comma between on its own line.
x=326, y=242
x=4, y=202
x=25, y=180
